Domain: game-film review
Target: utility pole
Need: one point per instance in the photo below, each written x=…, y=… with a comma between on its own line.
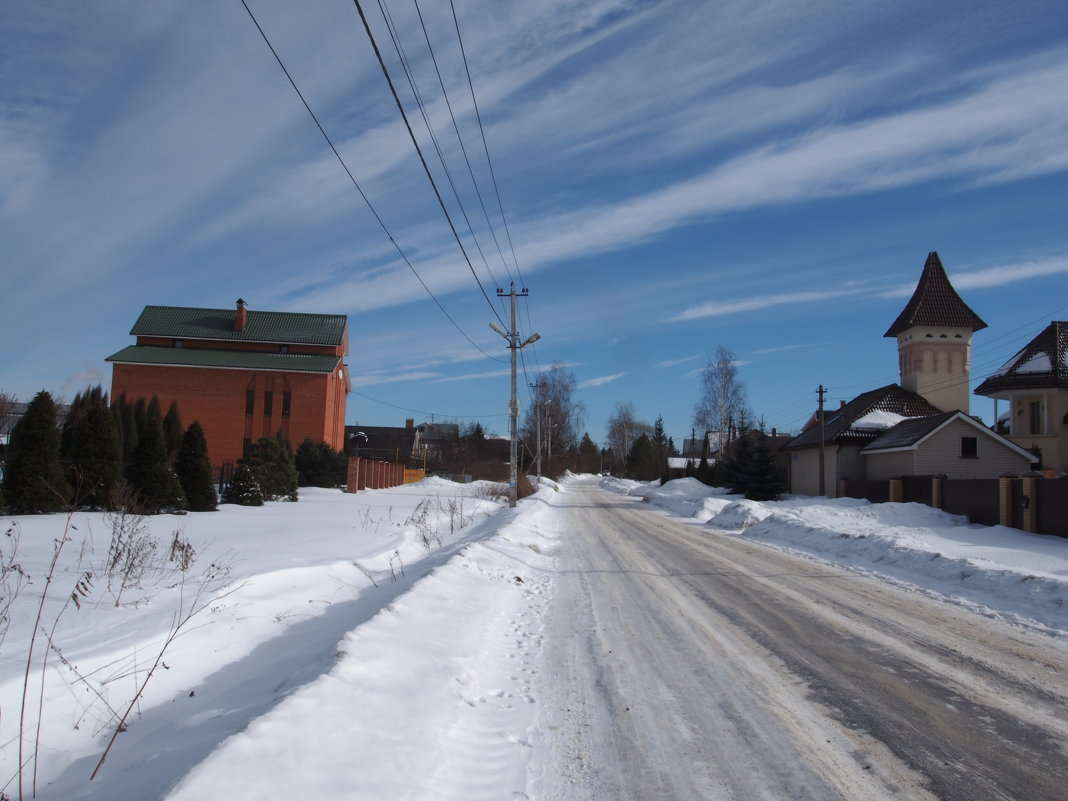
x=537, y=419
x=820, y=393
x=512, y=336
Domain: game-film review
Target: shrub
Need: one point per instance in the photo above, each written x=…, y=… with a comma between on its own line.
x=319, y=465
x=272, y=463
x=244, y=489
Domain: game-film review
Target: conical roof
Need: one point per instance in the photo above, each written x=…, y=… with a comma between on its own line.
x=1043, y=363
x=935, y=303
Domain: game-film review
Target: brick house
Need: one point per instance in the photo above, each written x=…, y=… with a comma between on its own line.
x=241, y=374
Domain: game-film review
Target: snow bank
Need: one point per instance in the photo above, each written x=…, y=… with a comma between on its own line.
x=999, y=571
x=291, y=580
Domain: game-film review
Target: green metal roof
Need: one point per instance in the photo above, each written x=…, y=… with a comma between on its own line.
x=228, y=359
x=178, y=322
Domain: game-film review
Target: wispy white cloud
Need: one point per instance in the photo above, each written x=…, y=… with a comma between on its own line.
x=994, y=276
x=474, y=376
x=371, y=380
x=675, y=362
x=736, y=306
x=600, y=381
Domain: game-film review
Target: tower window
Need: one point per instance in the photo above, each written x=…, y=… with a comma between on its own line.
x=268, y=403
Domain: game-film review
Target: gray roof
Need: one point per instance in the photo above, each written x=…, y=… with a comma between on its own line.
x=838, y=423
x=935, y=303
x=179, y=322
x=227, y=359
x=1042, y=363
x=909, y=432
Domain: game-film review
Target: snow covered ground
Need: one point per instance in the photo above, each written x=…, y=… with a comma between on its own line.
x=379, y=645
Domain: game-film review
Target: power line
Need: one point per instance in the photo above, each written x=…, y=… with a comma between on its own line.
x=485, y=146
x=422, y=159
x=423, y=412
x=459, y=138
x=356, y=184
x=413, y=85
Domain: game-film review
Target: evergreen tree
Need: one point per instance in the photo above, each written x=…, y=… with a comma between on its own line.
x=172, y=432
x=589, y=456
x=244, y=489
x=34, y=482
x=193, y=468
x=750, y=468
x=705, y=473
x=642, y=462
x=155, y=483
x=319, y=465
x=90, y=449
x=272, y=463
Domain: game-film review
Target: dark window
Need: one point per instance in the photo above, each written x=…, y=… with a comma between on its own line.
x=178, y=343
x=287, y=398
x=283, y=348
x=969, y=447
x=268, y=403
x=246, y=448
x=250, y=401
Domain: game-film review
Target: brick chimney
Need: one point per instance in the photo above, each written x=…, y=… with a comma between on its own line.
x=409, y=423
x=240, y=316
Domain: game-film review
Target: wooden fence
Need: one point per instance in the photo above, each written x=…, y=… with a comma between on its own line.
x=364, y=474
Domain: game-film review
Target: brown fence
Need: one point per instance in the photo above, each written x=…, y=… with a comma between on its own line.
x=372, y=474
x=918, y=489
x=975, y=497
x=1051, y=498
x=1033, y=504
x=874, y=491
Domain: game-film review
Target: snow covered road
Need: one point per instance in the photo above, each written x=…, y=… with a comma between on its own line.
x=687, y=664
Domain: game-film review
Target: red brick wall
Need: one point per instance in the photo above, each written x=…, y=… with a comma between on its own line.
x=216, y=399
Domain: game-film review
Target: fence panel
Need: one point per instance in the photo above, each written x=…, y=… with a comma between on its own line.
x=1052, y=498
x=874, y=491
x=917, y=489
x=975, y=497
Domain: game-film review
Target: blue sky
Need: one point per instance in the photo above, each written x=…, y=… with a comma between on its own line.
x=676, y=176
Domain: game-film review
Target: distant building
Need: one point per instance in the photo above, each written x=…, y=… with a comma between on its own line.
x=241, y=374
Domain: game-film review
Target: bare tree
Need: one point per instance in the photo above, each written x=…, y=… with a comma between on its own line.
x=722, y=402
x=561, y=412
x=623, y=429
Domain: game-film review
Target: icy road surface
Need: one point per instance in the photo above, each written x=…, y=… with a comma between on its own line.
x=688, y=664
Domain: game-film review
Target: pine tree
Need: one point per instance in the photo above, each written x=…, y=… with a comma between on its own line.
x=150, y=476
x=750, y=468
x=90, y=449
x=319, y=465
x=193, y=468
x=244, y=489
x=34, y=482
x=172, y=431
x=272, y=463
x=642, y=462
x=589, y=458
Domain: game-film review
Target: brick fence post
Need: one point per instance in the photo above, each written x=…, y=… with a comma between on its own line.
x=897, y=490
x=936, y=493
x=352, y=475
x=1005, y=501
